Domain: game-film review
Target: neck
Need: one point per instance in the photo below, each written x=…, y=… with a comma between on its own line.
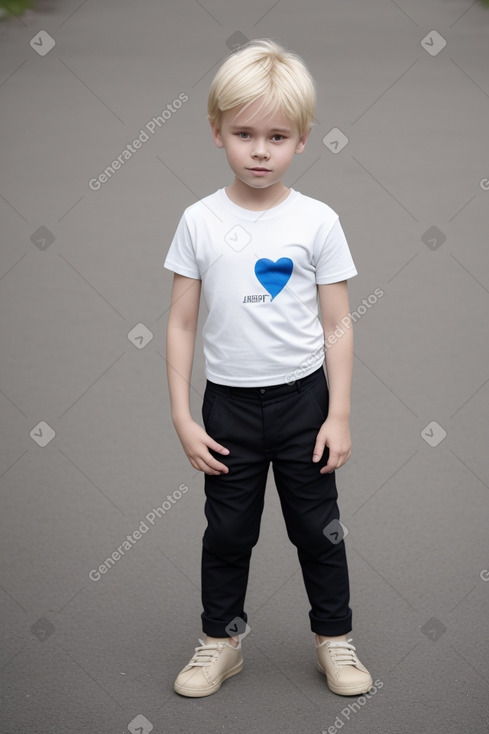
x=257, y=199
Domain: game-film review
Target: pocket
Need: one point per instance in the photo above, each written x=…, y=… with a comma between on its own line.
x=319, y=398
x=208, y=405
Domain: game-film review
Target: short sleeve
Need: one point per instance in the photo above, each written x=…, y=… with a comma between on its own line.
x=334, y=262
x=181, y=255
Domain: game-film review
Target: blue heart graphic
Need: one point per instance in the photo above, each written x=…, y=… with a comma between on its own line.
x=274, y=276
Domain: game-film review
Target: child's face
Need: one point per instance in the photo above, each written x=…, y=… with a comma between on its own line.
x=259, y=149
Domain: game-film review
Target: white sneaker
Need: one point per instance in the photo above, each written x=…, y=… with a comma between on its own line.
x=208, y=668
x=344, y=672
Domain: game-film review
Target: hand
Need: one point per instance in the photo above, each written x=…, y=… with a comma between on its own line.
x=335, y=434
x=196, y=444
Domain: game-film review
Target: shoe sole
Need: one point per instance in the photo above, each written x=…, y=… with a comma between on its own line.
x=344, y=690
x=200, y=693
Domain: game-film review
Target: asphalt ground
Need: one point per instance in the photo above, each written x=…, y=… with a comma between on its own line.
x=87, y=449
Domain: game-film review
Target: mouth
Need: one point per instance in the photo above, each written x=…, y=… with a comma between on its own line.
x=259, y=169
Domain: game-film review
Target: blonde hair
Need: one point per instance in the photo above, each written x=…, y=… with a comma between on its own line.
x=265, y=69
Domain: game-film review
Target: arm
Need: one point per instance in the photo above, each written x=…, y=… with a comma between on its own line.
x=335, y=431
x=180, y=344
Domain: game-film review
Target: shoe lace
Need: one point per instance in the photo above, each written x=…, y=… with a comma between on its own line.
x=343, y=653
x=205, y=654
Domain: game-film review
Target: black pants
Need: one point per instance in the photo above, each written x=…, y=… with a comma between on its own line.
x=275, y=424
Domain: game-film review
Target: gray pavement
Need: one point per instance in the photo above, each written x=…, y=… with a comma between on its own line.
x=88, y=452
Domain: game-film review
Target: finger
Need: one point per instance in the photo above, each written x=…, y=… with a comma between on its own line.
x=208, y=465
x=327, y=469
x=318, y=451
x=332, y=463
x=205, y=468
x=201, y=467
x=211, y=472
x=219, y=468
x=341, y=461
x=213, y=466
x=217, y=447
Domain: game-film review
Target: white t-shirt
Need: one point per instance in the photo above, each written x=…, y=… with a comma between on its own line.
x=259, y=271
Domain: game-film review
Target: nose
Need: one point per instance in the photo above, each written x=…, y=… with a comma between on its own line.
x=260, y=149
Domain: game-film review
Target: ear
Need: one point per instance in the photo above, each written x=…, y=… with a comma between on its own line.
x=302, y=142
x=216, y=135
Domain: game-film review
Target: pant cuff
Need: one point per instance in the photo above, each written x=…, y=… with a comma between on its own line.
x=217, y=628
x=332, y=627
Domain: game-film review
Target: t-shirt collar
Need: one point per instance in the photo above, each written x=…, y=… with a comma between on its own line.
x=257, y=215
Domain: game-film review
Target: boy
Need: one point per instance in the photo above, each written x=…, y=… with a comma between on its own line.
x=263, y=255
